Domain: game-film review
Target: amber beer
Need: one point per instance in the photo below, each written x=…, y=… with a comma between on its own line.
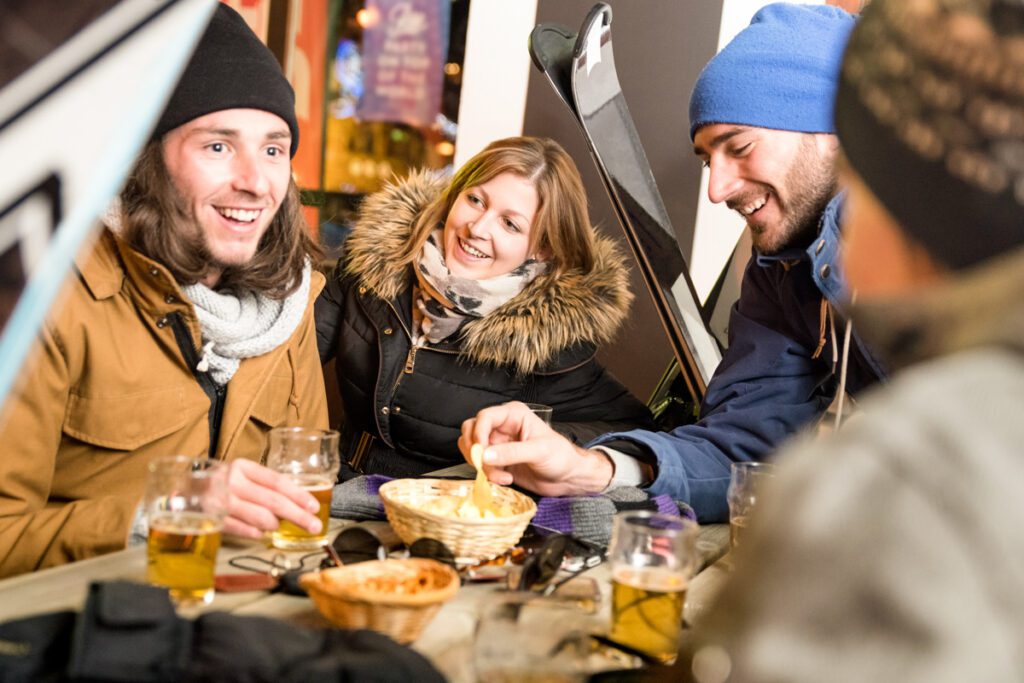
x=737, y=530
x=290, y=536
x=182, y=554
x=647, y=609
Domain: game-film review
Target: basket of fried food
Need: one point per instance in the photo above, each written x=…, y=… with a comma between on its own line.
x=444, y=509
x=395, y=597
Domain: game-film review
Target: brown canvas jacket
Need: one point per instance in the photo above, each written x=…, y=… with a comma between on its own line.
x=107, y=389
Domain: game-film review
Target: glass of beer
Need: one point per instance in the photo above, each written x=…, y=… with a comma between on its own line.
x=542, y=411
x=522, y=636
x=310, y=458
x=652, y=557
x=186, y=502
x=746, y=482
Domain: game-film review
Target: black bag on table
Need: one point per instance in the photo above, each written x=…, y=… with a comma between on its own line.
x=130, y=632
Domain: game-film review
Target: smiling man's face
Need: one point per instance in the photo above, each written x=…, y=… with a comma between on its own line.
x=779, y=181
x=231, y=169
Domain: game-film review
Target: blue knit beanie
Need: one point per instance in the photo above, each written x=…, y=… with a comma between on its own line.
x=780, y=72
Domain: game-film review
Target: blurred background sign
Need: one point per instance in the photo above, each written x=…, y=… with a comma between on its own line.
x=405, y=43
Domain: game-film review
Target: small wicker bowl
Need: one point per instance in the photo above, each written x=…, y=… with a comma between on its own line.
x=469, y=539
x=395, y=597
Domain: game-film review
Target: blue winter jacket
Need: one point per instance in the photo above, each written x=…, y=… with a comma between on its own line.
x=769, y=384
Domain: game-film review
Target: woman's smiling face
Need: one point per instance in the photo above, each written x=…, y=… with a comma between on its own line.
x=487, y=231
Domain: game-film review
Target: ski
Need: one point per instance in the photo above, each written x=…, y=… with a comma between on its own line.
x=581, y=69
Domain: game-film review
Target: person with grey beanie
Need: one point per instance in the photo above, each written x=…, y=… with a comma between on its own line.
x=188, y=329
x=892, y=551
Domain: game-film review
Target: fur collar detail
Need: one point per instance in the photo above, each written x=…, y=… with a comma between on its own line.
x=550, y=315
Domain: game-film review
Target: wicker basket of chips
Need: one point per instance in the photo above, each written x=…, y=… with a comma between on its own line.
x=395, y=597
x=431, y=508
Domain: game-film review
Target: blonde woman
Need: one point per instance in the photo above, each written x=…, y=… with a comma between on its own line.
x=452, y=297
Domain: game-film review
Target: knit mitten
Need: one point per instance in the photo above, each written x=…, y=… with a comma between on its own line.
x=358, y=499
x=590, y=517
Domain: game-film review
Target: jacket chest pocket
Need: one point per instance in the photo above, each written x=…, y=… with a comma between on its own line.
x=125, y=422
x=274, y=406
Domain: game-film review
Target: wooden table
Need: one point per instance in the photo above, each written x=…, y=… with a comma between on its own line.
x=447, y=641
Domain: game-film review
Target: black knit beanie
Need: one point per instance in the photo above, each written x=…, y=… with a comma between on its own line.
x=930, y=113
x=230, y=69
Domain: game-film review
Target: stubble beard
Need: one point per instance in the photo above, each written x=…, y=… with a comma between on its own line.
x=196, y=236
x=811, y=181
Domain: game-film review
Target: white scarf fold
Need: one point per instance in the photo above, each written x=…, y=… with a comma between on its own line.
x=446, y=302
x=236, y=327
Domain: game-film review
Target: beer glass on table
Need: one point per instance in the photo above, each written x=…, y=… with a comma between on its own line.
x=522, y=636
x=746, y=483
x=652, y=556
x=186, y=502
x=310, y=458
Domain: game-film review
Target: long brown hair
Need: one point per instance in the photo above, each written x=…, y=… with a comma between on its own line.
x=155, y=223
x=561, y=228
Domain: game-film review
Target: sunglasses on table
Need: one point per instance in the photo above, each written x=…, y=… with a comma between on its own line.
x=351, y=546
x=542, y=554
x=549, y=552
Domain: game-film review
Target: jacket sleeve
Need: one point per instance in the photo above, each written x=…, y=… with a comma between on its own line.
x=900, y=560
x=766, y=388
x=329, y=310
x=588, y=401
x=34, y=531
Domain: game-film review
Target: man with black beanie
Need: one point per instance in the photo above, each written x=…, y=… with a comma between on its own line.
x=893, y=552
x=187, y=329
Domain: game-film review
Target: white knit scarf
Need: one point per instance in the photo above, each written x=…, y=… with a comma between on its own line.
x=447, y=301
x=236, y=327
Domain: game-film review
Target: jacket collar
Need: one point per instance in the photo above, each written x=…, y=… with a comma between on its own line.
x=822, y=254
x=105, y=269
x=101, y=268
x=528, y=332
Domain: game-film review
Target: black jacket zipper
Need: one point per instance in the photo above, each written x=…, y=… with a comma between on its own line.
x=215, y=392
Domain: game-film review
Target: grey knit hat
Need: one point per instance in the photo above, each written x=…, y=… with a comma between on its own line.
x=930, y=113
x=230, y=69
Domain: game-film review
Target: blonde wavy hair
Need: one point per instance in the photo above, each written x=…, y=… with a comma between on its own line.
x=561, y=228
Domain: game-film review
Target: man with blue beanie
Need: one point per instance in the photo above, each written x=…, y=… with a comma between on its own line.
x=761, y=120
x=902, y=559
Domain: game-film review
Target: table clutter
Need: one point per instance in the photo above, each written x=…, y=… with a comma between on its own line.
x=548, y=571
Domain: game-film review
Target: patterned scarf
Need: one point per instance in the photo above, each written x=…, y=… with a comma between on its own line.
x=446, y=302
x=236, y=327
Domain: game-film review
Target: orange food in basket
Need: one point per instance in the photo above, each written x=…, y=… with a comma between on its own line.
x=394, y=597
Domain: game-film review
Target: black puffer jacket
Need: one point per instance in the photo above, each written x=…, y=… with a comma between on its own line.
x=404, y=406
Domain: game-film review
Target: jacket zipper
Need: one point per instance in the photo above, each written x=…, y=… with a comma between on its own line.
x=410, y=361
x=213, y=391
x=410, y=358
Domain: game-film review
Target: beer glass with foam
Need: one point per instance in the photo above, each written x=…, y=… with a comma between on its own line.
x=186, y=502
x=653, y=556
x=310, y=458
x=746, y=483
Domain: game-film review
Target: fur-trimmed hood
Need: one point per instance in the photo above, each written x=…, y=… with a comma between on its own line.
x=552, y=314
